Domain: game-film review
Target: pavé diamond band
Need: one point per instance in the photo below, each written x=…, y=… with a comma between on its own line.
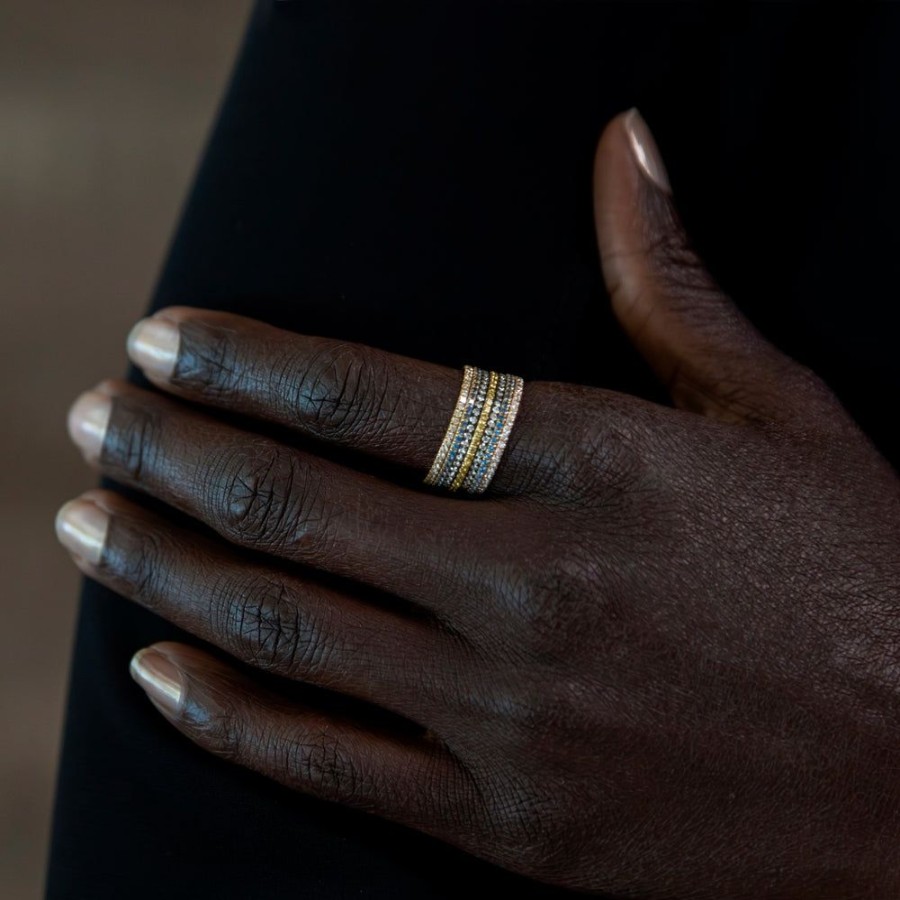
x=478, y=431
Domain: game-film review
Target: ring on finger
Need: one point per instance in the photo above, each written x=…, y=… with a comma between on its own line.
x=478, y=430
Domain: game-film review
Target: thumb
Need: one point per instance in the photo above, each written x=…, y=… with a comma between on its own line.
x=711, y=358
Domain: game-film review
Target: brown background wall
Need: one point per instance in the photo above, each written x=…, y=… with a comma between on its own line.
x=104, y=107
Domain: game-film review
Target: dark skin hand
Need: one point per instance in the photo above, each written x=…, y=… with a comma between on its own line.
x=658, y=658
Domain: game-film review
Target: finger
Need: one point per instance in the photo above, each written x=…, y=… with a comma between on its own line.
x=710, y=356
x=278, y=621
x=409, y=779
x=258, y=493
x=382, y=403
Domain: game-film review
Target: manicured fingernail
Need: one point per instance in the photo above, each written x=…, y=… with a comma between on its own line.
x=153, y=345
x=645, y=150
x=81, y=528
x=87, y=421
x=159, y=677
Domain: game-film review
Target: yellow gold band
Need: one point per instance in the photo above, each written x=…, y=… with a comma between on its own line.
x=479, y=431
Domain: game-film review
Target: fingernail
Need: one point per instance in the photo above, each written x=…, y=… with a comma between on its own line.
x=645, y=150
x=81, y=528
x=153, y=345
x=87, y=421
x=159, y=677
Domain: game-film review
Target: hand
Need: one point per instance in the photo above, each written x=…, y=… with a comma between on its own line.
x=659, y=658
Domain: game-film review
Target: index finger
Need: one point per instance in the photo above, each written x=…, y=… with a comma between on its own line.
x=392, y=406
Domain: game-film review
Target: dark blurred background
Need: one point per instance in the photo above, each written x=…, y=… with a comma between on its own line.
x=104, y=109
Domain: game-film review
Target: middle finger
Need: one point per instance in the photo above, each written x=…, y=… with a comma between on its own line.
x=259, y=493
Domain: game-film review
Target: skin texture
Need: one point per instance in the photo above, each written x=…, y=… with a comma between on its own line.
x=658, y=658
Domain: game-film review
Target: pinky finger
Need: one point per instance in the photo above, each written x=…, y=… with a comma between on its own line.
x=408, y=779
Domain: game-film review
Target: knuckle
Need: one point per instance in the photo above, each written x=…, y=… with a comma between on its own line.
x=342, y=393
x=318, y=759
x=269, y=628
x=209, y=359
x=529, y=607
x=524, y=820
x=221, y=727
x=541, y=469
x=136, y=558
x=267, y=500
x=607, y=455
x=131, y=444
x=548, y=594
x=586, y=437
x=603, y=454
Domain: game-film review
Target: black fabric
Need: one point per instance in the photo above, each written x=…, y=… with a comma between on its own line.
x=417, y=176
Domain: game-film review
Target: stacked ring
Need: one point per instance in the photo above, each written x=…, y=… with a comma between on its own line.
x=478, y=431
